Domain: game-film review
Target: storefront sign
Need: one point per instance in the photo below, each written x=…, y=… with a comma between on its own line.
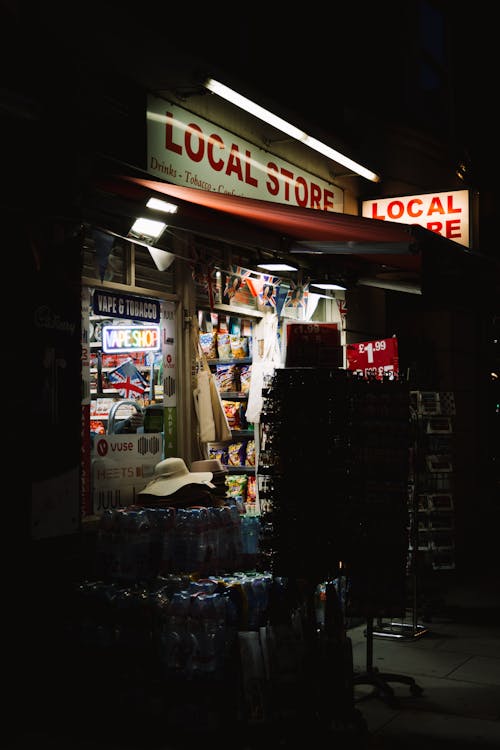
x=130, y=338
x=313, y=345
x=116, y=305
x=122, y=465
x=378, y=359
x=444, y=213
x=187, y=150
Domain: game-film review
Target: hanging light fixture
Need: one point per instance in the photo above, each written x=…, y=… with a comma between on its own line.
x=277, y=265
x=285, y=127
x=328, y=282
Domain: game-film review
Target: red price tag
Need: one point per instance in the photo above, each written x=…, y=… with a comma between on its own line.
x=377, y=359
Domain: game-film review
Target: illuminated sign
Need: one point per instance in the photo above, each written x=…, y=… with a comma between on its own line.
x=130, y=338
x=187, y=150
x=118, y=305
x=444, y=213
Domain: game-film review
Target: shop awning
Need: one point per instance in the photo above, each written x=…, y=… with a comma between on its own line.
x=306, y=230
x=377, y=253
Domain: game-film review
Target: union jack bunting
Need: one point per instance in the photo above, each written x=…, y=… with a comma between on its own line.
x=297, y=295
x=342, y=307
x=127, y=380
x=235, y=279
x=268, y=292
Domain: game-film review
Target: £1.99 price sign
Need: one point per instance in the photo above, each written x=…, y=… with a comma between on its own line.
x=374, y=359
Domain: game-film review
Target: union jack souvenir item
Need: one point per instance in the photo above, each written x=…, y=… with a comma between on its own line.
x=127, y=380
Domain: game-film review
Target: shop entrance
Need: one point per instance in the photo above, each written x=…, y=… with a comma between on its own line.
x=129, y=405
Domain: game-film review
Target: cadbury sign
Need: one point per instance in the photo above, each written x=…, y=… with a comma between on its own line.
x=444, y=213
x=187, y=150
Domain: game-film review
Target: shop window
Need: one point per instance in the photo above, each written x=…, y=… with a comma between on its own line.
x=111, y=259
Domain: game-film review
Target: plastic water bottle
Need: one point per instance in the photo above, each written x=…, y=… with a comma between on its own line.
x=181, y=645
x=181, y=540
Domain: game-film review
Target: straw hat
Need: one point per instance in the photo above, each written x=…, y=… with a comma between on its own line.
x=209, y=464
x=171, y=474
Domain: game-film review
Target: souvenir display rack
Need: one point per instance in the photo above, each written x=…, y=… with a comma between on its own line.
x=430, y=501
x=408, y=626
x=434, y=478
x=332, y=478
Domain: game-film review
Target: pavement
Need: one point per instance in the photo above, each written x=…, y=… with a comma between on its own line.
x=453, y=657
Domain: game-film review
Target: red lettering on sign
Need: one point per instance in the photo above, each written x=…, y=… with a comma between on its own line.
x=194, y=134
x=395, y=209
x=435, y=226
x=169, y=132
x=453, y=228
x=301, y=183
x=450, y=229
x=272, y=184
x=248, y=177
x=450, y=208
x=328, y=199
x=234, y=163
x=315, y=196
x=286, y=184
x=375, y=214
x=217, y=164
x=414, y=212
x=197, y=145
x=435, y=207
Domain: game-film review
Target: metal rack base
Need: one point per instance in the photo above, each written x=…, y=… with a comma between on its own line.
x=399, y=630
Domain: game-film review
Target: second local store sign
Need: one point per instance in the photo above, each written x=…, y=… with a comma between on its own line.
x=444, y=213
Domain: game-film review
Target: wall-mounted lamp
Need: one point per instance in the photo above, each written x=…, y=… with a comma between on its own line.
x=285, y=127
x=147, y=228
x=159, y=205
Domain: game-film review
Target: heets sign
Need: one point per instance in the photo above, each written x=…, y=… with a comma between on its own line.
x=185, y=149
x=122, y=465
x=444, y=213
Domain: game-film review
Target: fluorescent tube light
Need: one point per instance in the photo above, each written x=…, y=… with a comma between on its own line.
x=328, y=285
x=263, y=114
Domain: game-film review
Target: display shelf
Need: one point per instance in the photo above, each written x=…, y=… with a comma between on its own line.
x=110, y=391
x=221, y=448
x=141, y=368
x=435, y=530
x=230, y=361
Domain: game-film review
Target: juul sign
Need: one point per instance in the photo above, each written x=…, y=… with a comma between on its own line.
x=444, y=213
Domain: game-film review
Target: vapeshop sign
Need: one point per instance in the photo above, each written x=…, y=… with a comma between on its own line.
x=444, y=213
x=187, y=150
